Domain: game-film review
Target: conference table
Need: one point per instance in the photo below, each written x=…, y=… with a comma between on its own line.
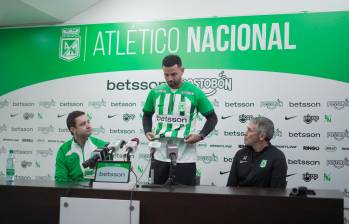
x=38, y=201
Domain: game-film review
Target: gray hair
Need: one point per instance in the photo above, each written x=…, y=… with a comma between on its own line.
x=264, y=126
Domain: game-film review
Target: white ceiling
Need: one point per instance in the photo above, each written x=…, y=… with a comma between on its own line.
x=14, y=13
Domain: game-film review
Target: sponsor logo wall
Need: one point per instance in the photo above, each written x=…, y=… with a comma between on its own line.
x=309, y=110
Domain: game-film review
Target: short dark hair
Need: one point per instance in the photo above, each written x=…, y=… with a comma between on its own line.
x=71, y=118
x=264, y=126
x=171, y=60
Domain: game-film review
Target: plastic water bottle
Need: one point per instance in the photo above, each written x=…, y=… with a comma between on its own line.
x=10, y=167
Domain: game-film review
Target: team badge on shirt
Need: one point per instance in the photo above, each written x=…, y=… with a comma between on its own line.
x=263, y=163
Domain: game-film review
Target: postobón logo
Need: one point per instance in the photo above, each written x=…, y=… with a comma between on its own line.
x=4, y=103
x=208, y=159
x=338, y=104
x=338, y=135
x=69, y=48
x=339, y=164
x=211, y=85
x=46, y=130
x=44, y=153
x=127, y=117
x=309, y=118
x=47, y=104
x=271, y=105
x=97, y=131
x=3, y=128
x=307, y=177
x=97, y=104
x=277, y=133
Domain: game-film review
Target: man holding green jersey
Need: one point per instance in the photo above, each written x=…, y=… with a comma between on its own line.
x=75, y=151
x=175, y=105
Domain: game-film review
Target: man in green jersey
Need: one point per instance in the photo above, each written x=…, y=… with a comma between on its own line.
x=175, y=104
x=75, y=151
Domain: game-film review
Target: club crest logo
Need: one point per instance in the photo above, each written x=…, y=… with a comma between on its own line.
x=69, y=48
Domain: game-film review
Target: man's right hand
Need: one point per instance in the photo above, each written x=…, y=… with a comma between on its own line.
x=150, y=136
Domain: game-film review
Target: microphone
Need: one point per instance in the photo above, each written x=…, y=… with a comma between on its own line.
x=97, y=154
x=115, y=146
x=172, y=152
x=153, y=145
x=131, y=147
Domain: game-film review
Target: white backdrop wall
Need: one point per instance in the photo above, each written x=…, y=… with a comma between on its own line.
x=317, y=161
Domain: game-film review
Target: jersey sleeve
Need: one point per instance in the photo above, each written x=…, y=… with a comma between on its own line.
x=61, y=173
x=204, y=106
x=149, y=103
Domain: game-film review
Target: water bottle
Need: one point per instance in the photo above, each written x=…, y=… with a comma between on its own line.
x=10, y=167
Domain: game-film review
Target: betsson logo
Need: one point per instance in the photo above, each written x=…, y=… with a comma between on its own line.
x=130, y=85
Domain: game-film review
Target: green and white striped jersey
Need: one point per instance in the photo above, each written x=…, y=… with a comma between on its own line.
x=175, y=111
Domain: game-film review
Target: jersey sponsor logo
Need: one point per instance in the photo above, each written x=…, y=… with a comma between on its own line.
x=271, y=105
x=304, y=104
x=123, y=104
x=130, y=85
x=46, y=130
x=4, y=103
x=338, y=105
x=226, y=117
x=172, y=119
x=304, y=135
x=47, y=104
x=14, y=115
x=277, y=133
x=97, y=104
x=23, y=104
x=239, y=104
x=210, y=86
x=339, y=164
x=243, y=117
x=127, y=117
x=339, y=136
x=307, y=177
x=289, y=118
x=27, y=116
x=312, y=148
x=208, y=159
x=21, y=129
x=303, y=162
x=3, y=128
x=71, y=104
x=309, y=118
x=97, y=131
x=330, y=148
x=60, y=115
x=111, y=116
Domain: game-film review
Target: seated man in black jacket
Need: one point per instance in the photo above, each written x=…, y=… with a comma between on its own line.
x=259, y=163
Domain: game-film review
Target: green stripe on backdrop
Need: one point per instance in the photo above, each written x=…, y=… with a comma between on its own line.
x=314, y=44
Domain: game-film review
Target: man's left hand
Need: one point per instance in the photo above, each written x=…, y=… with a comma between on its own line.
x=192, y=138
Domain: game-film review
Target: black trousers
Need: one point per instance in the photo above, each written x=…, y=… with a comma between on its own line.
x=184, y=173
